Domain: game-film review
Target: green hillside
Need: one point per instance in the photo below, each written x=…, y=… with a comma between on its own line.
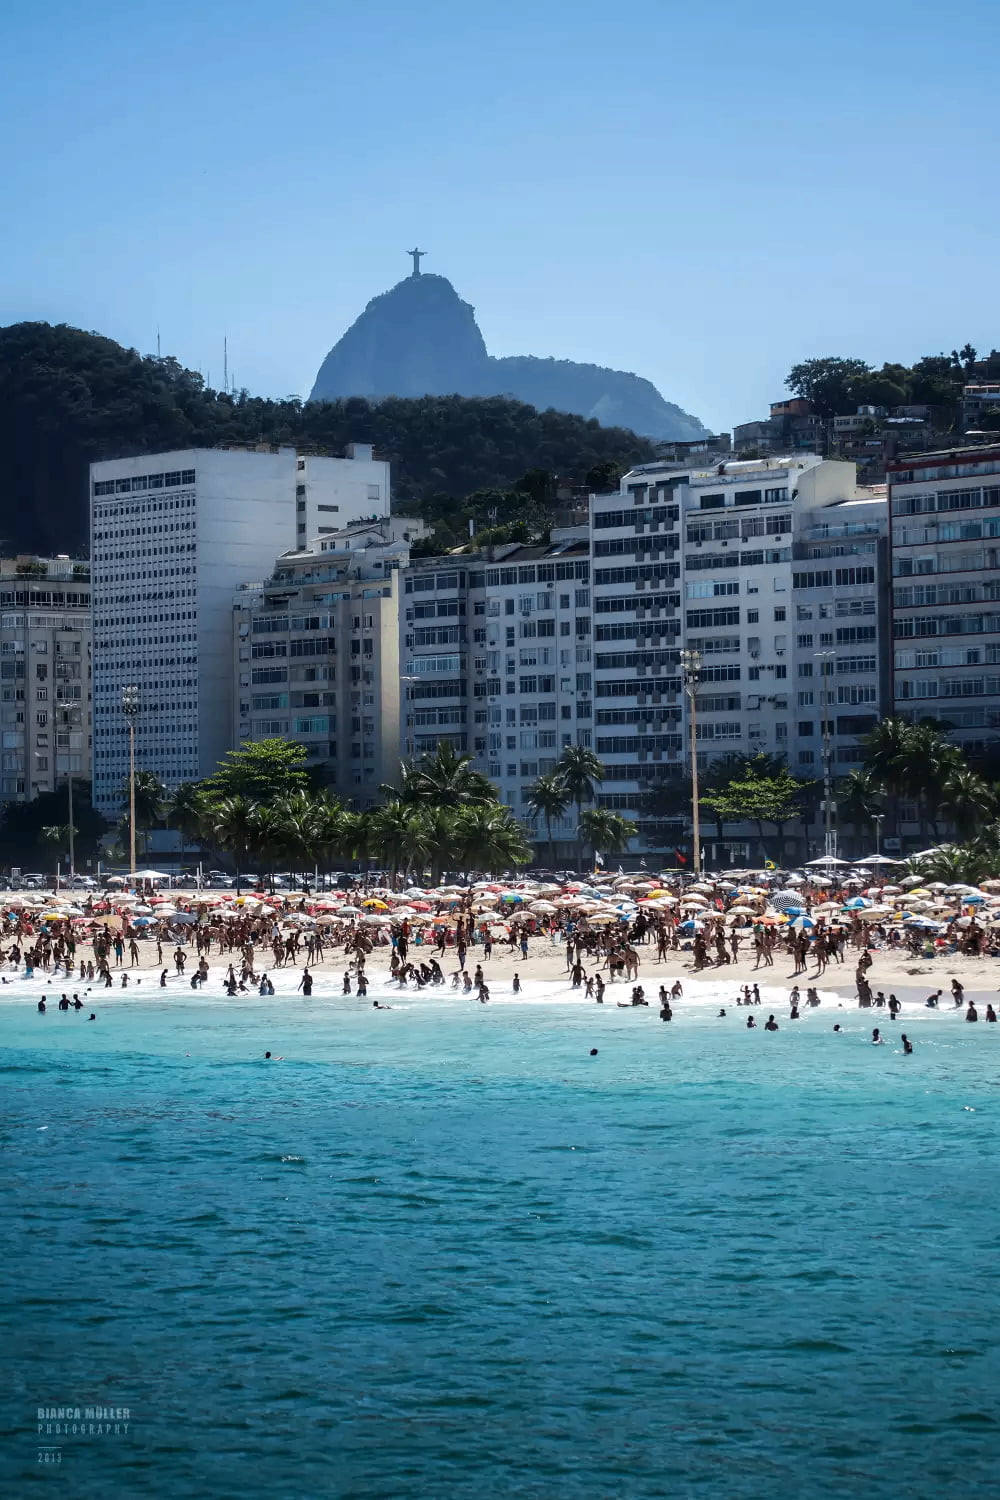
x=68, y=398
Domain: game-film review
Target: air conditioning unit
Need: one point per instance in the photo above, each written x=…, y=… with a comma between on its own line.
x=657, y=697
x=754, y=655
x=657, y=754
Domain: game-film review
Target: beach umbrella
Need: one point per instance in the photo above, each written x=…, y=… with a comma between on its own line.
x=802, y=921
x=694, y=901
x=857, y=903
x=782, y=900
x=543, y=908
x=828, y=859
x=345, y=911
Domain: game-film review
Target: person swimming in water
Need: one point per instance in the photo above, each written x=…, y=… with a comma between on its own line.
x=751, y=1024
x=907, y=1044
x=770, y=1024
x=972, y=1013
x=877, y=1038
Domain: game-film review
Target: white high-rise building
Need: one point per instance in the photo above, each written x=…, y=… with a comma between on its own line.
x=172, y=536
x=331, y=493
x=770, y=572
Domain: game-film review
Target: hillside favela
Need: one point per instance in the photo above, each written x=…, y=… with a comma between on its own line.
x=500, y=766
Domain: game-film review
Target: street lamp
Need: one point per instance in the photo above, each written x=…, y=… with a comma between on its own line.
x=878, y=819
x=130, y=708
x=829, y=838
x=691, y=671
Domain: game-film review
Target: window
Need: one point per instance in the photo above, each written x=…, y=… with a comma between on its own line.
x=805, y=729
x=805, y=668
x=753, y=616
x=698, y=619
x=822, y=578
x=779, y=613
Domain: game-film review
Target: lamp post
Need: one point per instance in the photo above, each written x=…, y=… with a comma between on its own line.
x=691, y=670
x=130, y=708
x=829, y=837
x=878, y=819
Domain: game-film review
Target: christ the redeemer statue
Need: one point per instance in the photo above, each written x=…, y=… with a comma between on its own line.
x=416, y=260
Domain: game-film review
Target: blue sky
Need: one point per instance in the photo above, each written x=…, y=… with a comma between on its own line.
x=702, y=194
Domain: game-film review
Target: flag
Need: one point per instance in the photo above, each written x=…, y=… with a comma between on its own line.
x=681, y=859
x=598, y=858
x=769, y=864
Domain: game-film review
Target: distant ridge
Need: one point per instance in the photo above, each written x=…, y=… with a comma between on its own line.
x=420, y=339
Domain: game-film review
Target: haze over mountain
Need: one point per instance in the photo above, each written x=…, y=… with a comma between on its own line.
x=420, y=339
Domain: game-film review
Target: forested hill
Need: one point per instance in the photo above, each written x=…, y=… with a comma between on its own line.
x=68, y=398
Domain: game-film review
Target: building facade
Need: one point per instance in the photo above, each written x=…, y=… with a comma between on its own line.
x=945, y=554
x=771, y=573
x=331, y=493
x=172, y=537
x=45, y=674
x=497, y=661
x=316, y=655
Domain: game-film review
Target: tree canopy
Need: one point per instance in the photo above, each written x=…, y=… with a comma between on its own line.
x=837, y=387
x=69, y=398
x=259, y=770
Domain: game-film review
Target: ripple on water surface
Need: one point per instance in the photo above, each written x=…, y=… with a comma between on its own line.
x=483, y=1263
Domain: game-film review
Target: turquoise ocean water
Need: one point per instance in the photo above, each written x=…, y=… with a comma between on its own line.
x=444, y=1252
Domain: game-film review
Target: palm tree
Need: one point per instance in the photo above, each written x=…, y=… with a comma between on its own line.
x=489, y=838
x=186, y=811
x=579, y=769
x=969, y=801
x=928, y=762
x=548, y=798
x=150, y=796
x=601, y=829
x=859, y=799
x=445, y=778
x=886, y=751
x=389, y=835
x=235, y=827
x=56, y=835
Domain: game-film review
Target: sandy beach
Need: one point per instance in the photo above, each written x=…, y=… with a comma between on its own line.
x=544, y=977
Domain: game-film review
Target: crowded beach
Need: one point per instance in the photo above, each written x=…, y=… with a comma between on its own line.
x=841, y=937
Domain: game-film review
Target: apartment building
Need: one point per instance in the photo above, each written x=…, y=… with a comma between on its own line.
x=497, y=660
x=45, y=674
x=945, y=553
x=331, y=493
x=316, y=654
x=172, y=536
x=769, y=571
